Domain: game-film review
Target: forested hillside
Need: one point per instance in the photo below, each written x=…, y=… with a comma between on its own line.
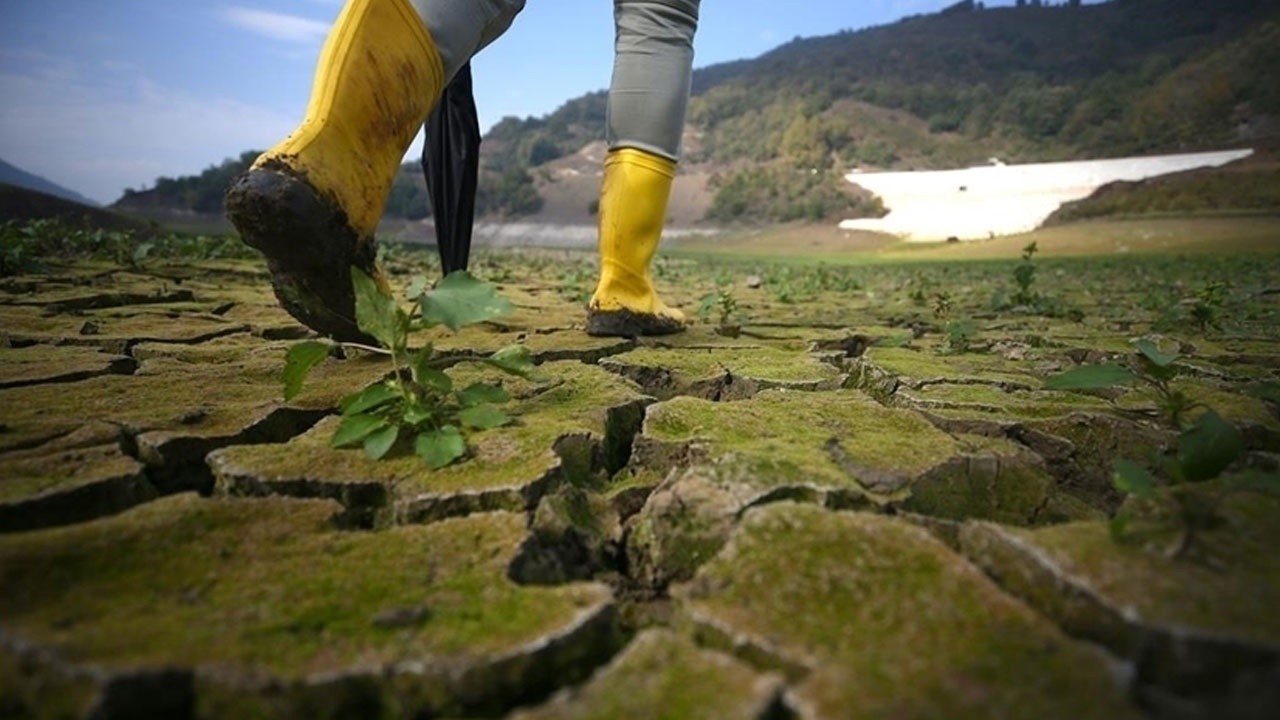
x=1031, y=82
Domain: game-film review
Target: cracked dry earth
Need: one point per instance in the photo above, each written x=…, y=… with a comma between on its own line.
x=829, y=515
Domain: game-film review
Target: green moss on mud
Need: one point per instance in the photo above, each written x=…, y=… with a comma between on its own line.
x=113, y=331
x=791, y=431
x=767, y=365
x=269, y=585
x=1232, y=406
x=663, y=676
x=24, y=476
x=513, y=460
x=984, y=402
x=913, y=367
x=44, y=363
x=1010, y=488
x=29, y=691
x=168, y=395
x=1234, y=599
x=891, y=625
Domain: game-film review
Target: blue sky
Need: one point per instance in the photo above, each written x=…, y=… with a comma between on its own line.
x=100, y=96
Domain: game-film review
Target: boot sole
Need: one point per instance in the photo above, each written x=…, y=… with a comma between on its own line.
x=309, y=246
x=625, y=323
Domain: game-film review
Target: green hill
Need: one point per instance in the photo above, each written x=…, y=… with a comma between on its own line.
x=22, y=205
x=1034, y=82
x=17, y=177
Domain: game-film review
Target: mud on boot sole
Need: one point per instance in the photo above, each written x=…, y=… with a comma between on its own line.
x=309, y=246
x=626, y=323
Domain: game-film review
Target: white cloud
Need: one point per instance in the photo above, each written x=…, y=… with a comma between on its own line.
x=100, y=135
x=277, y=26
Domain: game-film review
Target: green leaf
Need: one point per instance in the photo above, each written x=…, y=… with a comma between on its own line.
x=420, y=361
x=478, y=393
x=1133, y=479
x=416, y=287
x=707, y=305
x=460, y=300
x=299, y=361
x=355, y=428
x=962, y=329
x=380, y=442
x=483, y=417
x=436, y=380
x=1152, y=352
x=517, y=360
x=439, y=448
x=1208, y=447
x=416, y=415
x=376, y=313
x=1255, y=481
x=1091, y=377
x=368, y=399
x=1268, y=390
x=1119, y=526
x=141, y=252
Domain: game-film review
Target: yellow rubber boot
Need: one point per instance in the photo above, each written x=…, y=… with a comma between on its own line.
x=633, y=208
x=312, y=203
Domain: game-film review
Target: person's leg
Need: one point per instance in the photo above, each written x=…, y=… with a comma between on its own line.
x=312, y=203
x=648, y=97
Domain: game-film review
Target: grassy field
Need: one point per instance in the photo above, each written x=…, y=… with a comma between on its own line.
x=1096, y=238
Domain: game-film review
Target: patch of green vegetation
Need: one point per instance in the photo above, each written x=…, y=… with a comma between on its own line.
x=1233, y=596
x=561, y=431
x=766, y=365
x=664, y=676
x=31, y=692
x=1181, y=499
x=1009, y=488
x=268, y=585
x=891, y=586
x=29, y=246
x=792, y=430
x=724, y=307
x=1239, y=191
x=914, y=367
x=785, y=193
x=960, y=335
x=418, y=404
x=28, y=475
x=989, y=402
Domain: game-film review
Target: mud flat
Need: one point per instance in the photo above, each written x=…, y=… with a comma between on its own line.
x=830, y=504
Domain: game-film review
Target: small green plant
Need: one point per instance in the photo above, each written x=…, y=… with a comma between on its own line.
x=1186, y=493
x=1206, y=307
x=724, y=307
x=418, y=405
x=1024, y=276
x=29, y=246
x=1181, y=497
x=574, y=284
x=960, y=336
x=1150, y=366
x=942, y=304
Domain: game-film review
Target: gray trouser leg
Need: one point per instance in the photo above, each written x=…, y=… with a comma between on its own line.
x=462, y=28
x=652, y=68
